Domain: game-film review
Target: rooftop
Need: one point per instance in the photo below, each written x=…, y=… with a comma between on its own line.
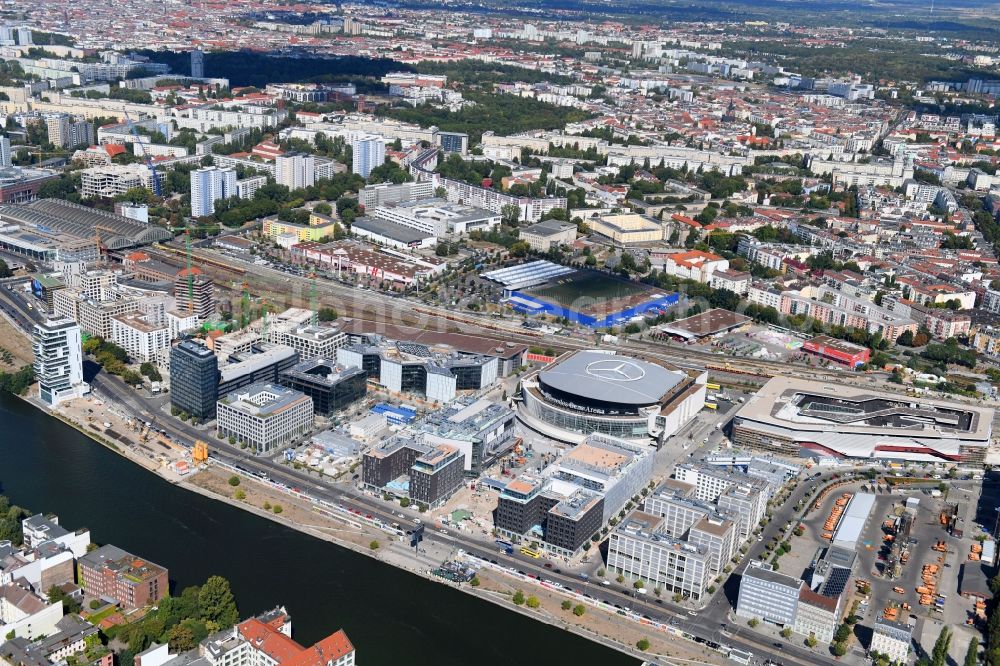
x=610, y=378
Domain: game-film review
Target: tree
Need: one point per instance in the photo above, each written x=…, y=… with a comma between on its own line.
x=510, y=214
x=939, y=655
x=181, y=638
x=972, y=654
x=475, y=582
x=323, y=208
x=5, y=271
x=579, y=610
x=811, y=641
x=566, y=604
x=518, y=598
x=70, y=605
x=150, y=370
x=239, y=495
x=753, y=622
x=277, y=509
x=234, y=480
x=642, y=644
x=839, y=648
x=533, y=602
x=786, y=632
x=374, y=545
x=217, y=604
x=327, y=314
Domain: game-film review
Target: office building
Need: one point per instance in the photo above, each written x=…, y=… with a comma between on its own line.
x=264, y=362
x=58, y=361
x=139, y=335
x=438, y=374
x=130, y=580
x=482, y=430
x=709, y=481
x=197, y=64
x=699, y=523
x=295, y=170
x=414, y=468
x=797, y=416
x=747, y=502
x=208, y=185
x=194, y=294
x=615, y=468
x=641, y=550
x=39, y=529
x=768, y=595
x=194, y=379
x=368, y=152
x=893, y=639
x=321, y=340
x=560, y=514
x=331, y=388
x=264, y=416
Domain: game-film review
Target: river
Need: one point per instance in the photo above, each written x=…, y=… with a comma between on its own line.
x=392, y=617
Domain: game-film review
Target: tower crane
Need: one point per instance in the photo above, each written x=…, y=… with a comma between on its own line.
x=149, y=161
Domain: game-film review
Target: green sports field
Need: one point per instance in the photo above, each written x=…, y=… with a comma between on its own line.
x=568, y=291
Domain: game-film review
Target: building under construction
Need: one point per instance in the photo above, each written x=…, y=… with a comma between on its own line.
x=194, y=293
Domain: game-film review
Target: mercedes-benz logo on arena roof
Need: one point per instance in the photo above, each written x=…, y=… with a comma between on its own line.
x=616, y=370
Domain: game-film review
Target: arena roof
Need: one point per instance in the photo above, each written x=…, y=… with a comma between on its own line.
x=611, y=378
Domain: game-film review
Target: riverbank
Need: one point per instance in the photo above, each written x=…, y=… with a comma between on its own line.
x=600, y=625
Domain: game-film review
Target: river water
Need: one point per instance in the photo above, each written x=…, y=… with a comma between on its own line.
x=392, y=617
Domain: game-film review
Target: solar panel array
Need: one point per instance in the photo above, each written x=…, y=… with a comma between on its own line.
x=836, y=582
x=414, y=349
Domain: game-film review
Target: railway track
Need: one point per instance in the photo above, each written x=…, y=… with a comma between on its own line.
x=352, y=301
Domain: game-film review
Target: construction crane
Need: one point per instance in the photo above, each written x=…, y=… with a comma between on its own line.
x=149, y=161
x=313, y=305
x=190, y=276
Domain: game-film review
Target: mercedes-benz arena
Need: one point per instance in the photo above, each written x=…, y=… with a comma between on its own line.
x=802, y=417
x=604, y=392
